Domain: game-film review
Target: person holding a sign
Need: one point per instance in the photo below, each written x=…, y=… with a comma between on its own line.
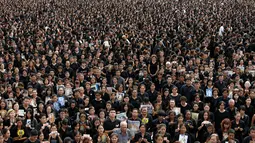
x=182, y=136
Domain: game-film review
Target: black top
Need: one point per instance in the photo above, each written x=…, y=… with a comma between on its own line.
x=139, y=135
x=28, y=141
x=110, y=125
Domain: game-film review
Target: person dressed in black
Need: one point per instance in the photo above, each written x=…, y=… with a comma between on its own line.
x=6, y=136
x=231, y=137
x=142, y=136
x=111, y=123
x=33, y=137
x=19, y=132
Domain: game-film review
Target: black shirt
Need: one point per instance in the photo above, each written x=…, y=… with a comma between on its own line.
x=110, y=125
x=28, y=141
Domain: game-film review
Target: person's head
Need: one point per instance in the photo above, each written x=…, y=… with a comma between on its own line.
x=248, y=100
x=188, y=114
x=225, y=92
x=142, y=88
x=188, y=81
x=19, y=122
x=195, y=107
x=238, y=116
x=135, y=112
x=242, y=109
x=162, y=129
x=112, y=113
x=225, y=124
x=101, y=113
x=144, y=110
x=180, y=118
x=83, y=116
x=53, y=127
x=100, y=129
x=43, y=118
x=231, y=103
x=77, y=136
x=41, y=136
x=172, y=103
x=206, y=115
x=161, y=114
x=33, y=135
x=6, y=132
x=252, y=132
x=159, y=138
x=123, y=126
x=3, y=105
x=209, y=128
x=231, y=134
x=174, y=89
x=26, y=101
x=11, y=113
x=183, y=99
x=98, y=95
x=142, y=128
x=214, y=138
x=183, y=129
x=171, y=115
x=108, y=105
x=114, y=138
x=222, y=105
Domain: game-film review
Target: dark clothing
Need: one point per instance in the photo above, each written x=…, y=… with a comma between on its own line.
x=219, y=117
x=187, y=92
x=110, y=125
x=238, y=133
x=28, y=141
x=139, y=135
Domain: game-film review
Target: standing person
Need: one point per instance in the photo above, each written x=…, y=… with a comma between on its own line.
x=239, y=127
x=186, y=90
x=33, y=137
x=221, y=114
x=153, y=67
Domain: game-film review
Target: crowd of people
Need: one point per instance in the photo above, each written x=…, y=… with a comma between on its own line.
x=127, y=71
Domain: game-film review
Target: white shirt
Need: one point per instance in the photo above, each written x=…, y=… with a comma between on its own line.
x=221, y=31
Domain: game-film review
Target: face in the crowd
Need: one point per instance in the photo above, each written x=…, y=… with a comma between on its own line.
x=206, y=116
x=135, y=113
x=183, y=130
x=100, y=129
x=114, y=139
x=252, y=133
x=231, y=136
x=123, y=127
x=159, y=139
x=112, y=114
x=142, y=129
x=213, y=139
x=41, y=137
x=222, y=106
